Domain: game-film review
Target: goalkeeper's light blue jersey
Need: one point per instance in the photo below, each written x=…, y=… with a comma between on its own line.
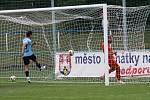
x=28, y=47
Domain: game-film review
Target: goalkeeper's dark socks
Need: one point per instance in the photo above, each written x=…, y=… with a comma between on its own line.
x=27, y=73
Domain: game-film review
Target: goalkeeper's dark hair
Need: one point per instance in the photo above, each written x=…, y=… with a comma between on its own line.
x=28, y=33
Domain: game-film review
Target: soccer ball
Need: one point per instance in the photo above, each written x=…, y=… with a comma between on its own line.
x=12, y=78
x=71, y=52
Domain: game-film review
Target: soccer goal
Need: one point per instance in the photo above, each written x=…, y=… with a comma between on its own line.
x=82, y=29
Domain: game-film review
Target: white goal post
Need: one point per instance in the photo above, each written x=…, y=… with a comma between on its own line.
x=82, y=29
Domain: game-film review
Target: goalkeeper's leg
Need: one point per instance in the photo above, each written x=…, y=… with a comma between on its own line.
x=117, y=68
x=117, y=72
x=114, y=66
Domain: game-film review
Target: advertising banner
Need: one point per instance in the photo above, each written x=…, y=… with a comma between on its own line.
x=91, y=64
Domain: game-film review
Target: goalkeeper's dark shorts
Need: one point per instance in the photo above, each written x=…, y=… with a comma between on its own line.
x=27, y=59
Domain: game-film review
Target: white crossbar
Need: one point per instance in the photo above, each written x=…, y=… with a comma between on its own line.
x=51, y=8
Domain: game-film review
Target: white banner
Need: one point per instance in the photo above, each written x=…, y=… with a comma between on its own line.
x=134, y=63
x=91, y=64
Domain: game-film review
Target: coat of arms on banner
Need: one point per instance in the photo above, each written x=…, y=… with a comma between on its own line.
x=65, y=64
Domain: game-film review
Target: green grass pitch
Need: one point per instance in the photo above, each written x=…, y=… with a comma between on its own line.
x=72, y=91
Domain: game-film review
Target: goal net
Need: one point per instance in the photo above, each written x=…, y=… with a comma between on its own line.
x=82, y=29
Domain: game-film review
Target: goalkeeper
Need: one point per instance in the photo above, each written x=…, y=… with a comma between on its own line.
x=28, y=55
x=111, y=60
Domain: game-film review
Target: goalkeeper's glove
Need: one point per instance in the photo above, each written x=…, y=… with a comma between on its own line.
x=115, y=53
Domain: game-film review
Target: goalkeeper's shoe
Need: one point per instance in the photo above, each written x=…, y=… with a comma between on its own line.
x=28, y=80
x=102, y=77
x=120, y=82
